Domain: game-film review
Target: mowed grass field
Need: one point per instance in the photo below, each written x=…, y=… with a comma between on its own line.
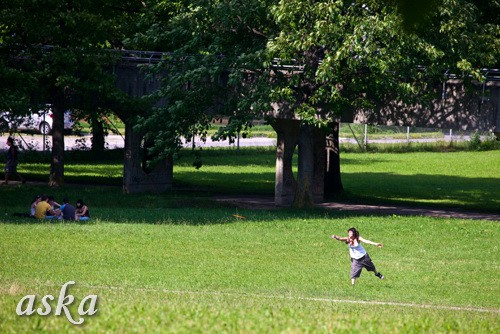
x=179, y=262
x=204, y=270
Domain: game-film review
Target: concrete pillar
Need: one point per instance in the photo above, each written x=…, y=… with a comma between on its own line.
x=288, y=137
x=320, y=156
x=135, y=178
x=495, y=97
x=333, y=181
x=304, y=195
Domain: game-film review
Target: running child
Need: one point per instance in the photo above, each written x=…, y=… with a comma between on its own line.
x=359, y=257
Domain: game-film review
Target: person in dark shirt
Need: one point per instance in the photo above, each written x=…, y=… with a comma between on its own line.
x=11, y=164
x=68, y=210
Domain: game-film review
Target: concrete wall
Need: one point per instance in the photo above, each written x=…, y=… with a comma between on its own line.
x=458, y=107
x=136, y=177
x=136, y=82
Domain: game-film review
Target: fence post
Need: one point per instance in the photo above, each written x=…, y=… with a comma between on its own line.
x=407, y=135
x=356, y=138
x=366, y=137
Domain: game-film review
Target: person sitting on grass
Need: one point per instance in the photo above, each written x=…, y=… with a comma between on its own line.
x=34, y=202
x=359, y=257
x=82, y=211
x=43, y=210
x=68, y=211
x=55, y=206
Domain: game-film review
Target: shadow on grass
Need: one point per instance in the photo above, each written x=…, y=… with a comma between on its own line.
x=362, y=162
x=217, y=214
x=193, y=189
x=429, y=190
x=371, y=188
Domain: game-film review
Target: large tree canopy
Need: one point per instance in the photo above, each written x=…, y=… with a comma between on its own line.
x=351, y=54
x=59, y=49
x=355, y=52
x=214, y=48
x=316, y=59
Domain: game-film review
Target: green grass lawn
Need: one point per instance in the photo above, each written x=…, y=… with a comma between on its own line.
x=203, y=270
x=179, y=262
x=468, y=180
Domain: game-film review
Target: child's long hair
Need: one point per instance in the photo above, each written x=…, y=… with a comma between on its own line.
x=355, y=232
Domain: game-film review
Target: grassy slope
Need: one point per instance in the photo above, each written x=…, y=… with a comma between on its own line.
x=242, y=272
x=284, y=254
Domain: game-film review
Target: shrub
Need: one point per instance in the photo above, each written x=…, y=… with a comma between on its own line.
x=475, y=142
x=483, y=143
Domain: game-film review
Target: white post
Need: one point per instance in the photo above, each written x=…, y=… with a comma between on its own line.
x=366, y=136
x=407, y=134
x=451, y=135
x=43, y=135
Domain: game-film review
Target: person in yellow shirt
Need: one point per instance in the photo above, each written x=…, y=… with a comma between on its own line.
x=43, y=209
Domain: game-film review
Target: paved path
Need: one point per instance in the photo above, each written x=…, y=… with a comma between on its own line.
x=115, y=141
x=36, y=141
x=249, y=202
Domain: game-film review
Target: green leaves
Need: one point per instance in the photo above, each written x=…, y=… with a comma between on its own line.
x=62, y=45
x=319, y=58
x=216, y=61
x=236, y=58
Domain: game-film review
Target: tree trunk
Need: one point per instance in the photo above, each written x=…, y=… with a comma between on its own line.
x=305, y=177
x=56, y=177
x=333, y=181
x=98, y=135
x=285, y=184
x=319, y=164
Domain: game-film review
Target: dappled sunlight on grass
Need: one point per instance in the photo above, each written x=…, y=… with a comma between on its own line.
x=464, y=179
x=94, y=170
x=468, y=192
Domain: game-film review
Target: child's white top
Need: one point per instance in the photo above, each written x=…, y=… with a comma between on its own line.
x=356, y=251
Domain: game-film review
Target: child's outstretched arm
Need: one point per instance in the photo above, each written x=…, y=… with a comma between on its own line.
x=336, y=237
x=370, y=242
